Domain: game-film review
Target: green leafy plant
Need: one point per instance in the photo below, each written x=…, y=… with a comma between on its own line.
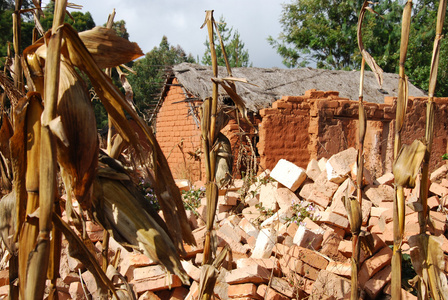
x=445, y=156
x=301, y=211
x=192, y=198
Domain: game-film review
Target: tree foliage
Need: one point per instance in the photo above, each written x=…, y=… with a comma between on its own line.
x=324, y=32
x=150, y=73
x=236, y=54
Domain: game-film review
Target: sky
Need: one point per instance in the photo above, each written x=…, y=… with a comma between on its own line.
x=147, y=21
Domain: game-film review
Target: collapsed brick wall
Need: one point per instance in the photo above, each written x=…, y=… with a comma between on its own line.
x=320, y=124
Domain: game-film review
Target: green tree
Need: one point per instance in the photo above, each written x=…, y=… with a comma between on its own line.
x=81, y=21
x=324, y=32
x=150, y=71
x=236, y=54
x=6, y=10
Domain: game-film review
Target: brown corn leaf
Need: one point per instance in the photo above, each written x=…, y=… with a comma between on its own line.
x=368, y=58
x=427, y=259
x=108, y=49
x=80, y=157
x=236, y=99
x=120, y=212
x=407, y=164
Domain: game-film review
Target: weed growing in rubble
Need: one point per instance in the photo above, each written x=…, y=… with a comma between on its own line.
x=192, y=198
x=301, y=211
x=149, y=194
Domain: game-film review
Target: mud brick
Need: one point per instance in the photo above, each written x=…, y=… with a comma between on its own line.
x=374, y=264
x=340, y=268
x=310, y=257
x=329, y=284
x=438, y=189
x=253, y=273
x=266, y=292
x=338, y=166
x=379, y=193
x=242, y=290
x=288, y=174
x=387, y=179
x=376, y=284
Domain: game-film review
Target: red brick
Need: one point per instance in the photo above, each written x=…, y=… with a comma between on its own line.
x=319, y=198
x=266, y=292
x=438, y=189
x=310, y=257
x=372, y=265
x=148, y=295
x=4, y=277
x=179, y=293
x=328, y=284
x=156, y=283
x=340, y=268
x=253, y=273
x=375, y=284
x=242, y=290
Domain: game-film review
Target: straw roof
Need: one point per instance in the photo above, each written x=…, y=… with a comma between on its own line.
x=272, y=84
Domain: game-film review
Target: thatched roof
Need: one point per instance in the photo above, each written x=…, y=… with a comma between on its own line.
x=272, y=84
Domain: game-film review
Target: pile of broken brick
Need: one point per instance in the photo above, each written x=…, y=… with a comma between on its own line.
x=274, y=257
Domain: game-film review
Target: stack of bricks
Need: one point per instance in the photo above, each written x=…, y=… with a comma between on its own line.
x=274, y=257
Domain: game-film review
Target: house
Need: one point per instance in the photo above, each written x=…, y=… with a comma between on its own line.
x=299, y=114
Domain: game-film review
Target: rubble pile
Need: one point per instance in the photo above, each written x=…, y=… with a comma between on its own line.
x=289, y=237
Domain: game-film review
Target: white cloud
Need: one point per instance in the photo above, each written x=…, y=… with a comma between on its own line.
x=147, y=22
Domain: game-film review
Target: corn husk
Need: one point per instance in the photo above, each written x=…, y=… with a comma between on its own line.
x=408, y=163
x=107, y=48
x=78, y=154
x=119, y=210
x=429, y=264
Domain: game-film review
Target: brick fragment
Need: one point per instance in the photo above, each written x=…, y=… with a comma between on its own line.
x=376, y=284
x=242, y=290
x=372, y=265
x=266, y=292
x=253, y=273
x=330, y=285
x=338, y=166
x=288, y=174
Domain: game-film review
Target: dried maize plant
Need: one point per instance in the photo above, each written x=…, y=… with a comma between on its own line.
x=60, y=132
x=217, y=157
x=426, y=252
x=354, y=205
x=401, y=163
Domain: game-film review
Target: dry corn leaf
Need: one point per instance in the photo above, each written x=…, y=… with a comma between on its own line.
x=120, y=211
x=8, y=221
x=408, y=163
x=108, y=49
x=427, y=259
x=80, y=157
x=368, y=58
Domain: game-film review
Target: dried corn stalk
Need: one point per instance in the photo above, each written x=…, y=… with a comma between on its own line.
x=426, y=254
x=398, y=207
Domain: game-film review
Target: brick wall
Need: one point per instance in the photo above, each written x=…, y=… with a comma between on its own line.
x=320, y=124
x=299, y=128
x=177, y=134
